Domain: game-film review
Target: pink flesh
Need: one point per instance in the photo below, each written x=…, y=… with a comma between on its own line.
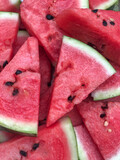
x=9, y=29
x=73, y=78
x=53, y=145
x=33, y=14
x=88, y=27
x=90, y=148
x=94, y=4
x=75, y=117
x=25, y=105
x=7, y=7
x=107, y=142
x=18, y=43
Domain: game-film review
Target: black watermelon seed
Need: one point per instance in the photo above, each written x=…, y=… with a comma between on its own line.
x=70, y=98
x=35, y=146
x=104, y=107
x=18, y=72
x=49, y=17
x=95, y=10
x=49, y=84
x=5, y=63
x=112, y=23
x=23, y=153
x=104, y=23
x=15, y=92
x=9, y=83
x=83, y=85
x=102, y=115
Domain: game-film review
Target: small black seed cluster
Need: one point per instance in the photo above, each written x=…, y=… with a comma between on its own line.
x=104, y=108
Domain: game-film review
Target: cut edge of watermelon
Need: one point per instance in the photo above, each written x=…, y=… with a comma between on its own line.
x=81, y=151
x=92, y=53
x=22, y=33
x=105, y=94
x=9, y=15
x=70, y=134
x=84, y=3
x=18, y=126
x=106, y=5
x=14, y=2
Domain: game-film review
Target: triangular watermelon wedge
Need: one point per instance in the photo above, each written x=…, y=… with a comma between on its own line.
x=76, y=76
x=20, y=90
x=103, y=121
x=97, y=28
x=8, y=31
x=39, y=19
x=57, y=142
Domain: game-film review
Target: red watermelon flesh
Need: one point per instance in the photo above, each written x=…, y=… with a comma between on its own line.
x=87, y=149
x=102, y=32
x=20, y=90
x=8, y=27
x=110, y=88
x=102, y=121
x=101, y=4
x=54, y=143
x=76, y=76
x=9, y=5
x=39, y=19
x=21, y=38
x=75, y=117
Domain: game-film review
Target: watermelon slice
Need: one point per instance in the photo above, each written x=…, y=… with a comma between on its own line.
x=76, y=76
x=21, y=38
x=8, y=32
x=96, y=33
x=20, y=90
x=110, y=88
x=101, y=4
x=86, y=148
x=9, y=5
x=102, y=121
x=57, y=142
x=39, y=19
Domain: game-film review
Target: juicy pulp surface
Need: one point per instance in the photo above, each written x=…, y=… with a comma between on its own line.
x=102, y=32
x=110, y=88
x=55, y=143
x=104, y=131
x=21, y=38
x=19, y=102
x=101, y=4
x=75, y=77
x=8, y=27
x=33, y=14
x=86, y=148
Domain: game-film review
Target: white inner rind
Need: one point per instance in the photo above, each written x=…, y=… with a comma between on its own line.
x=105, y=94
x=9, y=15
x=71, y=138
x=22, y=34
x=18, y=126
x=84, y=3
x=81, y=151
x=14, y=2
x=106, y=5
x=89, y=51
x=116, y=157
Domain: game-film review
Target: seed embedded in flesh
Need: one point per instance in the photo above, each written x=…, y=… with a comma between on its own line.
x=102, y=115
x=15, y=91
x=23, y=153
x=5, y=63
x=18, y=72
x=35, y=146
x=112, y=23
x=95, y=10
x=9, y=83
x=49, y=17
x=104, y=23
x=71, y=98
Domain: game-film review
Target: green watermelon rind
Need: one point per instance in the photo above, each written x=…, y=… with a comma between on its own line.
x=68, y=129
x=15, y=2
x=84, y=3
x=106, y=5
x=81, y=151
x=9, y=15
x=105, y=94
x=92, y=53
x=22, y=33
x=30, y=128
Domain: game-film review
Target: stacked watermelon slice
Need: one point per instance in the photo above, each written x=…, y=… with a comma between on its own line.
x=59, y=80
